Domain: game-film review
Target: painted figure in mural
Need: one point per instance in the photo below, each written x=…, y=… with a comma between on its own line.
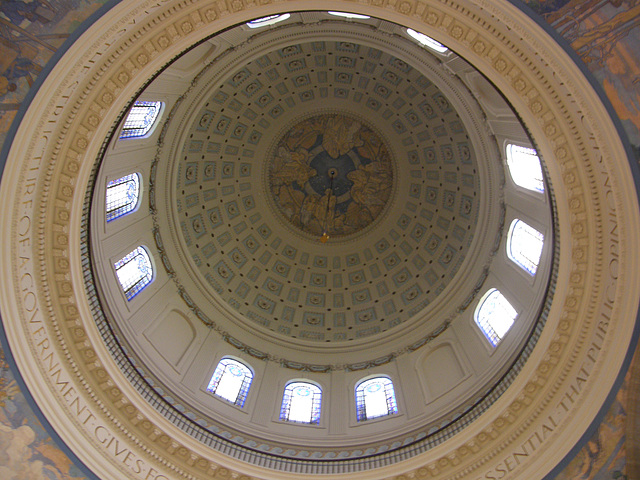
x=593, y=27
x=6, y=86
x=18, y=11
x=23, y=68
x=21, y=47
x=339, y=135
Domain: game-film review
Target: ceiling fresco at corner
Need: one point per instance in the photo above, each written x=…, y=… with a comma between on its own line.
x=30, y=33
x=604, y=34
x=27, y=451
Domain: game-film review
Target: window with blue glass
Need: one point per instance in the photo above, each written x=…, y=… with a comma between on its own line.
x=375, y=397
x=524, y=245
x=301, y=403
x=494, y=316
x=525, y=168
x=141, y=119
x=231, y=380
x=122, y=196
x=134, y=272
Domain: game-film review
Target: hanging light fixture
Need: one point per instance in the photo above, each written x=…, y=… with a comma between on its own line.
x=332, y=172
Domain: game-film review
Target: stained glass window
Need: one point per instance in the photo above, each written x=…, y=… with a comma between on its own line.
x=231, y=380
x=301, y=403
x=524, y=245
x=524, y=167
x=375, y=398
x=140, y=120
x=122, y=196
x=427, y=41
x=494, y=316
x=134, y=272
x=270, y=20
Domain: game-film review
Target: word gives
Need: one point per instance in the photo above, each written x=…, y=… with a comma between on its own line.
x=79, y=409
x=35, y=318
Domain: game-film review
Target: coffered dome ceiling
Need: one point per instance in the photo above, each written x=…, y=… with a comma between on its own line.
x=324, y=199
x=252, y=183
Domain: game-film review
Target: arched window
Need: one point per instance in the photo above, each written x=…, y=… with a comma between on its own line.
x=122, y=196
x=524, y=167
x=427, y=41
x=494, y=316
x=270, y=20
x=524, y=245
x=134, y=272
x=301, y=403
x=375, y=398
x=141, y=119
x=231, y=380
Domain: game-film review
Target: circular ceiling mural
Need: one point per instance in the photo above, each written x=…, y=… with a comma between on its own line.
x=321, y=204
x=328, y=204
x=330, y=175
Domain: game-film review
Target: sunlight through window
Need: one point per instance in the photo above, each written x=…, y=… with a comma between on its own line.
x=494, y=316
x=122, y=196
x=301, y=403
x=141, y=119
x=524, y=167
x=524, y=245
x=375, y=398
x=427, y=41
x=134, y=272
x=349, y=15
x=231, y=380
x=265, y=21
